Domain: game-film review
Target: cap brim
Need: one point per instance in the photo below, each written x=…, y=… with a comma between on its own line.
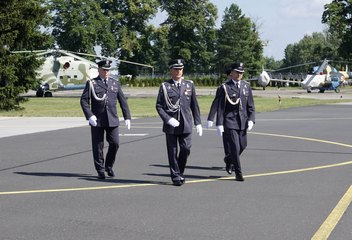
x=176, y=67
x=240, y=71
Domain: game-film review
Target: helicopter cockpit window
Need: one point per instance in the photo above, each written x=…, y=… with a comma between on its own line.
x=334, y=79
x=313, y=70
x=66, y=65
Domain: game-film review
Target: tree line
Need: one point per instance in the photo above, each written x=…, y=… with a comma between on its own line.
x=122, y=29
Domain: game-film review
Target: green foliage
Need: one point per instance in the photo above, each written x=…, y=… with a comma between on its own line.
x=122, y=30
x=145, y=107
x=129, y=25
x=337, y=15
x=161, y=48
x=79, y=25
x=199, y=80
x=238, y=41
x=192, y=32
x=271, y=63
x=312, y=48
x=144, y=82
x=19, y=30
x=335, y=44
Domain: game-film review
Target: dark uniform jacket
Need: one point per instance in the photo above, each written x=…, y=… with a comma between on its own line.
x=104, y=110
x=188, y=106
x=214, y=105
x=235, y=116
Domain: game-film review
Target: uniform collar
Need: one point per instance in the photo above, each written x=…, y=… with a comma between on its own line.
x=176, y=82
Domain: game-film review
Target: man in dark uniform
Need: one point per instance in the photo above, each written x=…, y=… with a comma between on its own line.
x=98, y=102
x=212, y=112
x=176, y=103
x=235, y=115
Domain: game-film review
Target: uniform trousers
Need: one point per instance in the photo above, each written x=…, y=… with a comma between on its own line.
x=226, y=149
x=178, y=160
x=237, y=142
x=112, y=137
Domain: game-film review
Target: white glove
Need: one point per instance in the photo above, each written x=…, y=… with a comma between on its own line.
x=210, y=124
x=173, y=122
x=220, y=129
x=93, y=121
x=128, y=123
x=199, y=130
x=250, y=125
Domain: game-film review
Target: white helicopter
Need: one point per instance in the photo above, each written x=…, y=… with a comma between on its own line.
x=323, y=77
x=66, y=70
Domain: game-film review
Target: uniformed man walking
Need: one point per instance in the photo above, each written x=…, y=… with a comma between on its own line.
x=235, y=115
x=212, y=113
x=98, y=102
x=176, y=103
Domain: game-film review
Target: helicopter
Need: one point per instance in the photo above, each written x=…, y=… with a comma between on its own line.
x=322, y=77
x=62, y=70
x=66, y=70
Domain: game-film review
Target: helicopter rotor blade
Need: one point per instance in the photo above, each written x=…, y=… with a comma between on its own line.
x=29, y=51
x=135, y=63
x=68, y=53
x=298, y=65
x=112, y=58
x=84, y=54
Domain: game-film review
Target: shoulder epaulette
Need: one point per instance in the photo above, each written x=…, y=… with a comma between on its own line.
x=188, y=80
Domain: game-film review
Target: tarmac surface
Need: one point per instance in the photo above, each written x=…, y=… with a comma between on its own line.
x=297, y=169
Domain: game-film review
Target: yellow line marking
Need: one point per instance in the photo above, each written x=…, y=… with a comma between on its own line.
x=79, y=189
x=283, y=136
x=158, y=184
x=303, y=138
x=325, y=229
x=300, y=170
x=330, y=223
x=302, y=119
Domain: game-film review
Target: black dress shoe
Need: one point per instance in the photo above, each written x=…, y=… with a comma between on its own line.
x=239, y=178
x=110, y=172
x=101, y=175
x=229, y=168
x=182, y=179
x=177, y=183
